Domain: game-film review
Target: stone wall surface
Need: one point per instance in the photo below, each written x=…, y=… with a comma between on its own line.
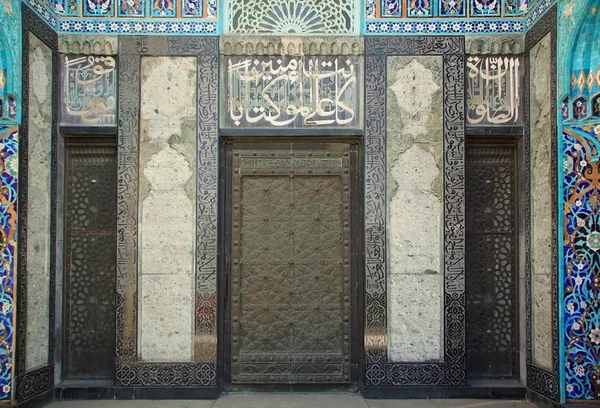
x=166, y=209
x=541, y=202
x=415, y=208
x=38, y=203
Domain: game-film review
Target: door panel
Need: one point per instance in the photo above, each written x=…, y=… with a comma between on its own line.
x=90, y=261
x=491, y=271
x=291, y=264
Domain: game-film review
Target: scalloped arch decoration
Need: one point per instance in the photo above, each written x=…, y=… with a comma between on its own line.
x=292, y=17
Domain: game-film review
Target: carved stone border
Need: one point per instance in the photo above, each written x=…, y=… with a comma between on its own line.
x=32, y=383
x=380, y=371
x=540, y=380
x=129, y=371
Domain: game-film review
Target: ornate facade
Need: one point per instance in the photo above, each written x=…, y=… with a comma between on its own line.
x=202, y=196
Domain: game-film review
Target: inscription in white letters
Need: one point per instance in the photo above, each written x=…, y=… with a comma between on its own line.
x=295, y=92
x=494, y=90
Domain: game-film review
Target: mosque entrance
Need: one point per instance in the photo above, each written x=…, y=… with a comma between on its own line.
x=292, y=260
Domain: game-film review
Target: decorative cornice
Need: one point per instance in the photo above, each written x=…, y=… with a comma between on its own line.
x=88, y=45
x=444, y=26
x=291, y=46
x=482, y=45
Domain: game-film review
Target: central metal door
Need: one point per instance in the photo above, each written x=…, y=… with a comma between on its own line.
x=291, y=263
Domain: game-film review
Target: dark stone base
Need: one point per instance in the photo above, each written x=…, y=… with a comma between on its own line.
x=38, y=401
x=127, y=393
x=542, y=401
x=484, y=391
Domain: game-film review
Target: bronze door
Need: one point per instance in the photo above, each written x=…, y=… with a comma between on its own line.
x=491, y=260
x=90, y=260
x=291, y=263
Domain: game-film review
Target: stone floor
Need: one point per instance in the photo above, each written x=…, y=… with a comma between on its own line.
x=294, y=401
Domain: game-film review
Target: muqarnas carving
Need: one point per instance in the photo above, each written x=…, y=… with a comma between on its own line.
x=89, y=91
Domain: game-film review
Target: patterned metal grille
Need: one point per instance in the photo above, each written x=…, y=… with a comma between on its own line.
x=491, y=278
x=291, y=266
x=90, y=262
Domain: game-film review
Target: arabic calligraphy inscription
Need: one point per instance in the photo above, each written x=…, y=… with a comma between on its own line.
x=494, y=89
x=292, y=92
x=89, y=91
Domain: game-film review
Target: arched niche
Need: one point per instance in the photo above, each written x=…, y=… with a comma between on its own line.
x=584, y=62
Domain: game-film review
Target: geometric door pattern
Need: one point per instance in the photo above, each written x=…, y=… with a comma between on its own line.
x=290, y=265
x=491, y=272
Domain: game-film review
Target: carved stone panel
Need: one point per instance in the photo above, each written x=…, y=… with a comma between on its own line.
x=291, y=266
x=296, y=92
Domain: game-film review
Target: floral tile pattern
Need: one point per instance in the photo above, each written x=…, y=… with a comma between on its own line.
x=452, y=16
x=581, y=303
x=9, y=163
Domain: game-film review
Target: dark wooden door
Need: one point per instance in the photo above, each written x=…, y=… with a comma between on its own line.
x=290, y=262
x=90, y=260
x=491, y=255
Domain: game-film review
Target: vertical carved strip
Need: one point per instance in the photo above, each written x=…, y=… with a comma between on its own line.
x=127, y=208
x=375, y=218
x=206, y=213
x=454, y=211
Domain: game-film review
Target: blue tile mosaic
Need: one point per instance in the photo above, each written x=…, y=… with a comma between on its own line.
x=391, y=8
x=114, y=26
x=131, y=8
x=199, y=17
x=452, y=8
x=10, y=61
x=516, y=7
x=538, y=12
x=9, y=162
x=485, y=8
x=448, y=27
x=420, y=8
x=98, y=8
x=163, y=8
x=453, y=16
